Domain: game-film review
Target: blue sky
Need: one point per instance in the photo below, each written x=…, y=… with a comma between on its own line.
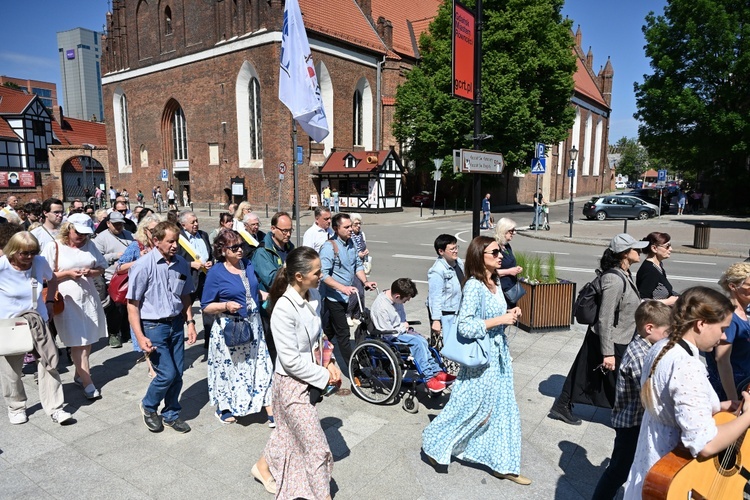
x=612, y=28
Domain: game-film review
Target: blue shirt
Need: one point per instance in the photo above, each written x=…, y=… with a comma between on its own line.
x=342, y=267
x=223, y=286
x=159, y=285
x=738, y=334
x=198, y=245
x=485, y=205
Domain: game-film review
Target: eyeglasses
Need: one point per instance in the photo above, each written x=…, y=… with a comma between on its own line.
x=285, y=231
x=28, y=253
x=124, y=211
x=453, y=249
x=665, y=245
x=494, y=253
x=512, y=231
x=234, y=248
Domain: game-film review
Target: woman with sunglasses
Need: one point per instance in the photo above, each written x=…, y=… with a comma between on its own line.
x=481, y=422
x=509, y=271
x=76, y=262
x=239, y=377
x=651, y=278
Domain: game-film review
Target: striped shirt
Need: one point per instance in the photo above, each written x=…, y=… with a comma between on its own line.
x=628, y=410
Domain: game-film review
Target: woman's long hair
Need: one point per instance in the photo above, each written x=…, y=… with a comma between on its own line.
x=612, y=260
x=699, y=303
x=300, y=260
x=474, y=265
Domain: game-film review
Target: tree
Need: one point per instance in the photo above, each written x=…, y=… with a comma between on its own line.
x=12, y=85
x=527, y=82
x=633, y=158
x=695, y=106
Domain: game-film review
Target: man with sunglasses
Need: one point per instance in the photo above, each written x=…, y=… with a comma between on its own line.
x=320, y=231
x=122, y=207
x=272, y=252
x=52, y=213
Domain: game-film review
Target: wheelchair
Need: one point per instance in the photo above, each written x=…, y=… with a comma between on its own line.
x=380, y=366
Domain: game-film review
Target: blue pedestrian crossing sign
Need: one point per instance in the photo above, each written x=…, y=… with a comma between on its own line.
x=538, y=165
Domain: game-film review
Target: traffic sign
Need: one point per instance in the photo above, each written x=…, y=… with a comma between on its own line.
x=541, y=150
x=299, y=155
x=282, y=168
x=281, y=177
x=662, y=176
x=538, y=165
x=571, y=172
x=481, y=162
x=164, y=175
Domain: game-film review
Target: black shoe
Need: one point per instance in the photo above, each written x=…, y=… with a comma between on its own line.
x=179, y=425
x=152, y=420
x=562, y=412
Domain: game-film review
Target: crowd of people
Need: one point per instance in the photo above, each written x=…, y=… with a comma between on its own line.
x=270, y=311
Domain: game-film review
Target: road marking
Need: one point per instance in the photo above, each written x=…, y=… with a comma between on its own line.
x=556, y=253
x=376, y=241
x=426, y=244
x=418, y=222
x=420, y=257
x=692, y=262
x=420, y=281
x=458, y=237
x=671, y=276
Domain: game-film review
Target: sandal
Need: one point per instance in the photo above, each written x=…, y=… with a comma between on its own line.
x=225, y=416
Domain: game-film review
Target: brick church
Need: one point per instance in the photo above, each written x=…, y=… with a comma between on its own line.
x=191, y=88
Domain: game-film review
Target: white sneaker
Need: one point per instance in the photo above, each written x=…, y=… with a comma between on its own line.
x=349, y=322
x=17, y=416
x=61, y=416
x=91, y=392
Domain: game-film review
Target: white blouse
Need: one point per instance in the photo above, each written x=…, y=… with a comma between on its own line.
x=683, y=404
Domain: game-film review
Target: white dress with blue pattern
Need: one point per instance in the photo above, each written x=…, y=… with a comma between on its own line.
x=481, y=422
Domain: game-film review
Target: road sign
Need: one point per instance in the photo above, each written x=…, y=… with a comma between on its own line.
x=538, y=165
x=481, y=162
x=541, y=150
x=281, y=177
x=299, y=155
x=282, y=168
x=571, y=172
x=164, y=175
x=437, y=175
x=661, y=176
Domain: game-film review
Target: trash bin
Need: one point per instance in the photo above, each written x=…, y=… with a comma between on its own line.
x=702, y=235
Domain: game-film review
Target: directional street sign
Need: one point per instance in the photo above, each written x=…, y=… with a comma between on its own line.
x=538, y=165
x=481, y=162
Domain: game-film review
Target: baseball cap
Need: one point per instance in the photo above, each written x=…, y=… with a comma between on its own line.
x=82, y=223
x=116, y=217
x=624, y=241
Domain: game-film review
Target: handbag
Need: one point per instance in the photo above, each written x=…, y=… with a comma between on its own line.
x=467, y=352
x=59, y=304
x=118, y=288
x=15, y=337
x=514, y=293
x=237, y=331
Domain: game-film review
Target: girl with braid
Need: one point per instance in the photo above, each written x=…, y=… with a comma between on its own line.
x=675, y=391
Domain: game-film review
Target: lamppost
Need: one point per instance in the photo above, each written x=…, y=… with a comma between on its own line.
x=572, y=175
x=90, y=148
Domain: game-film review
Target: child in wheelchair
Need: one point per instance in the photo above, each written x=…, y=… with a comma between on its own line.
x=389, y=318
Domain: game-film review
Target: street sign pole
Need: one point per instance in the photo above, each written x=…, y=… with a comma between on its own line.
x=477, y=117
x=438, y=163
x=536, y=208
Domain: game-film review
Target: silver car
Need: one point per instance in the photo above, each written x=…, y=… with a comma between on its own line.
x=618, y=207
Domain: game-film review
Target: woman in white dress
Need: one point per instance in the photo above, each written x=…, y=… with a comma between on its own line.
x=76, y=260
x=244, y=208
x=679, y=400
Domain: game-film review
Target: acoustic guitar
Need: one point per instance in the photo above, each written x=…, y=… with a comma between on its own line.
x=724, y=476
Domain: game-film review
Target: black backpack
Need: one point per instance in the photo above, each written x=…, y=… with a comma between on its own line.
x=586, y=307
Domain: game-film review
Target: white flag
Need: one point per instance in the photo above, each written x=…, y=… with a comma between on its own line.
x=298, y=84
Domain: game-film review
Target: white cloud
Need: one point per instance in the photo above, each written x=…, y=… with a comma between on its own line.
x=27, y=60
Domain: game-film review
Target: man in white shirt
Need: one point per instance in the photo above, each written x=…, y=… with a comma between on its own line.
x=320, y=231
x=171, y=198
x=52, y=212
x=12, y=203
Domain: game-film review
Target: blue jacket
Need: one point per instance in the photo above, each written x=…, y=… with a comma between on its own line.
x=444, y=289
x=267, y=261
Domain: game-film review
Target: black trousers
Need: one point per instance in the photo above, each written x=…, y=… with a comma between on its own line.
x=117, y=320
x=338, y=329
x=619, y=465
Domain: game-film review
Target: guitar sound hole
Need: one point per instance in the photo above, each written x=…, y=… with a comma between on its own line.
x=731, y=458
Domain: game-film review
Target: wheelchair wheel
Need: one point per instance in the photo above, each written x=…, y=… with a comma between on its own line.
x=375, y=372
x=410, y=404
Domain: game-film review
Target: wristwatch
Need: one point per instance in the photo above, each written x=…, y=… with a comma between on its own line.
x=190, y=322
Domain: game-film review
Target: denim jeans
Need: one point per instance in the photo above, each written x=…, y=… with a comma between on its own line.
x=485, y=224
x=537, y=215
x=167, y=359
x=422, y=356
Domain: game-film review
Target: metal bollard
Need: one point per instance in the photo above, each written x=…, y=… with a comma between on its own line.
x=455, y=206
x=444, y=209
x=625, y=228
x=209, y=208
x=266, y=210
x=421, y=204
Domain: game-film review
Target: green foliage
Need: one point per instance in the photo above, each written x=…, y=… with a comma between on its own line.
x=12, y=85
x=533, y=270
x=633, y=158
x=695, y=106
x=551, y=268
x=527, y=81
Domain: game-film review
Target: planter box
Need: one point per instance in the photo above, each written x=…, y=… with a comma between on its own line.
x=547, y=306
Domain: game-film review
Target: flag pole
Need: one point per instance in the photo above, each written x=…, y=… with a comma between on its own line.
x=295, y=209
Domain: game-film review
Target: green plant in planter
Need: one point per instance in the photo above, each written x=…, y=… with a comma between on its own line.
x=551, y=268
x=533, y=269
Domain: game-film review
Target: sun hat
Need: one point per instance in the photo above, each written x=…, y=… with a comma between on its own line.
x=624, y=241
x=82, y=223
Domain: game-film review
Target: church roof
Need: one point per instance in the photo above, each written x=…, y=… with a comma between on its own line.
x=410, y=19
x=585, y=85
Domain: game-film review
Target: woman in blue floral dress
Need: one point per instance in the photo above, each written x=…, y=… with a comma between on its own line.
x=481, y=422
x=239, y=377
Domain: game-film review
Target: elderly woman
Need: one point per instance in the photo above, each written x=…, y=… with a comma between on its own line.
x=239, y=376
x=360, y=242
x=22, y=272
x=729, y=363
x=481, y=422
x=142, y=245
x=591, y=379
x=651, y=278
x=444, y=280
x=238, y=224
x=509, y=271
x=76, y=261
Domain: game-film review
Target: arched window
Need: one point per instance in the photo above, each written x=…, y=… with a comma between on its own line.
x=179, y=136
x=357, y=119
x=144, y=156
x=249, y=118
x=167, y=20
x=122, y=131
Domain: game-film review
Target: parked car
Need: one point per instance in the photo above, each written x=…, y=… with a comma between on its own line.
x=423, y=197
x=618, y=206
x=651, y=196
x=621, y=185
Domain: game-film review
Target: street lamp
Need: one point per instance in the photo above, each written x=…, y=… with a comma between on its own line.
x=90, y=148
x=572, y=174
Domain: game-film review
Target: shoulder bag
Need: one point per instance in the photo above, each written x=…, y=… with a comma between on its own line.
x=59, y=304
x=237, y=330
x=467, y=352
x=514, y=293
x=15, y=337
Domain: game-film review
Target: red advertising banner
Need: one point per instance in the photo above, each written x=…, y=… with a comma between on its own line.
x=3, y=179
x=26, y=179
x=463, y=52
x=17, y=180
